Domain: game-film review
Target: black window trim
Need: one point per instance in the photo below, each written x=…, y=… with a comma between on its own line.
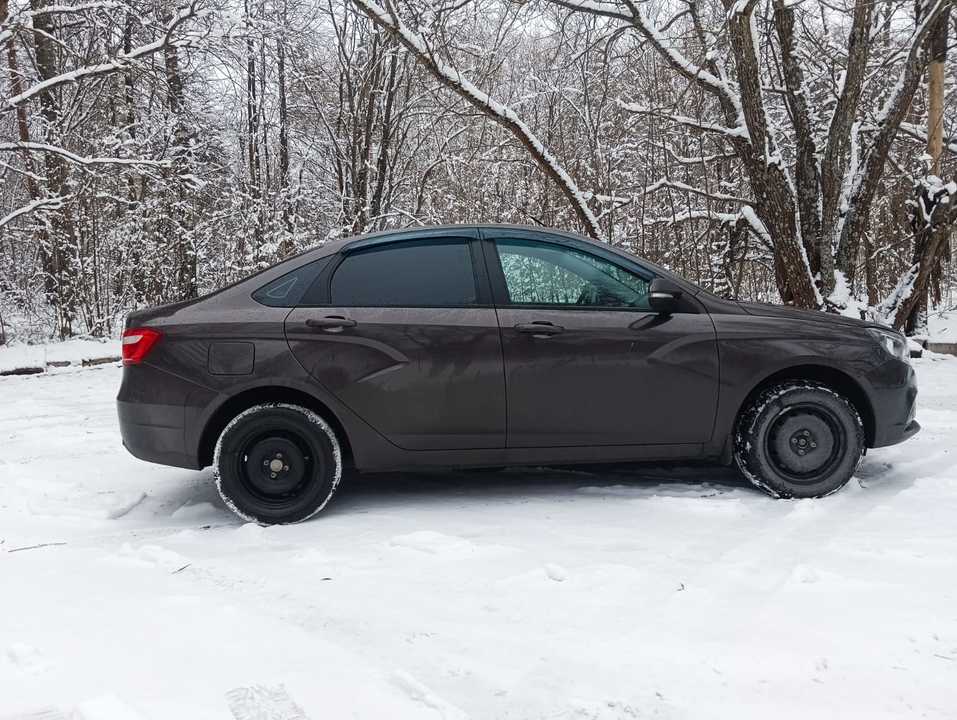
x=500, y=288
x=323, y=283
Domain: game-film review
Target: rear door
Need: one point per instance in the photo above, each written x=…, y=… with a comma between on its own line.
x=586, y=360
x=405, y=334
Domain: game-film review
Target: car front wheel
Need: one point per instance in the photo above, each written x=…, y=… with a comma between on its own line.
x=277, y=463
x=799, y=439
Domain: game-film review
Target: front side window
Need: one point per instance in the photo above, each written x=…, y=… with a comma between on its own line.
x=545, y=274
x=430, y=273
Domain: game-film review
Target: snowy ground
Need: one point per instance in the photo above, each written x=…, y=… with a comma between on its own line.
x=538, y=594
x=942, y=326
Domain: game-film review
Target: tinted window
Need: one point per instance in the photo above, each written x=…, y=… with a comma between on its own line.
x=288, y=290
x=544, y=274
x=413, y=274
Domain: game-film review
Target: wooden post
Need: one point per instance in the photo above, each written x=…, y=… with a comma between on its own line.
x=935, y=93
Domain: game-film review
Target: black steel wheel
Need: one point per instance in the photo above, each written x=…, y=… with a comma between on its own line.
x=799, y=439
x=277, y=463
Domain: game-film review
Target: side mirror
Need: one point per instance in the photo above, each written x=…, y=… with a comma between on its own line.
x=663, y=296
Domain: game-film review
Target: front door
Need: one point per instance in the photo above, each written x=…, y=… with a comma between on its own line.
x=404, y=334
x=586, y=360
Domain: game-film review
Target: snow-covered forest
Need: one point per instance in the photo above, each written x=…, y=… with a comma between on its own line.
x=772, y=150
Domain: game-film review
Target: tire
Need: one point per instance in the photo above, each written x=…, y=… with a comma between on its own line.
x=277, y=464
x=799, y=439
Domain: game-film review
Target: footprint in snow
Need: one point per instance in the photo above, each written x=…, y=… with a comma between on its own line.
x=555, y=572
x=250, y=532
x=197, y=512
x=123, y=504
x=805, y=575
x=105, y=707
x=150, y=556
x=423, y=695
x=263, y=702
x=434, y=543
x=27, y=658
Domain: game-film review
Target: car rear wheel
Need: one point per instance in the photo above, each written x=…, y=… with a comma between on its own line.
x=277, y=463
x=799, y=439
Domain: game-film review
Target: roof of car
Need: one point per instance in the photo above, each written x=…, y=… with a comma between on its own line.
x=387, y=236
x=383, y=237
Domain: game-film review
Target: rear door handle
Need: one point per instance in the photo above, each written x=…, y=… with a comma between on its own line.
x=330, y=322
x=539, y=328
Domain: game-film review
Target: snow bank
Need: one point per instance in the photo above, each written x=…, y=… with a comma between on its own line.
x=68, y=352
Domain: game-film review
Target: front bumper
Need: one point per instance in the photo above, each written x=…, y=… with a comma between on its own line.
x=894, y=400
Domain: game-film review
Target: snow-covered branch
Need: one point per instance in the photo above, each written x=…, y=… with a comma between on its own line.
x=80, y=159
x=596, y=7
x=38, y=204
x=920, y=133
x=738, y=132
x=119, y=62
x=676, y=59
x=694, y=214
x=669, y=184
x=23, y=18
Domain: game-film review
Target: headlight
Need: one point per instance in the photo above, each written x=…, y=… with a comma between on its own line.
x=893, y=342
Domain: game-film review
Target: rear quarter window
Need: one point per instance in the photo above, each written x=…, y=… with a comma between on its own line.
x=289, y=289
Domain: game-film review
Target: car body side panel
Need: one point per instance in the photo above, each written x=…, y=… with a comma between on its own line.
x=166, y=403
x=754, y=348
x=178, y=376
x=610, y=378
x=425, y=378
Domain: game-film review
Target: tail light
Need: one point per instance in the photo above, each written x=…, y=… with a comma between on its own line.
x=137, y=343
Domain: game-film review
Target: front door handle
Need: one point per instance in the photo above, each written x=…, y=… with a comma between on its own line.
x=539, y=328
x=331, y=323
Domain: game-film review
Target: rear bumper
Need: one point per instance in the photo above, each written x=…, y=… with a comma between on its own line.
x=895, y=405
x=154, y=433
x=151, y=407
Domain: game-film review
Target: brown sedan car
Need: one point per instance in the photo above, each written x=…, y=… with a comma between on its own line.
x=471, y=346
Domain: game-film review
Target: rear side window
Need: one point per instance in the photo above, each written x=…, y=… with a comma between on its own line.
x=431, y=273
x=287, y=291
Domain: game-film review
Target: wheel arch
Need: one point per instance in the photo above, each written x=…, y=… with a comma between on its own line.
x=267, y=394
x=837, y=380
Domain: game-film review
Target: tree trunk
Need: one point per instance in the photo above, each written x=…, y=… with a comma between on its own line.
x=62, y=240
x=252, y=133
x=23, y=134
x=286, y=244
x=179, y=236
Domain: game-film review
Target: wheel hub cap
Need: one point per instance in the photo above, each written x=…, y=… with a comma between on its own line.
x=276, y=465
x=802, y=442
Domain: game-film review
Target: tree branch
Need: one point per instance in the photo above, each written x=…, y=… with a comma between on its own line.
x=502, y=114
x=79, y=159
x=121, y=61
